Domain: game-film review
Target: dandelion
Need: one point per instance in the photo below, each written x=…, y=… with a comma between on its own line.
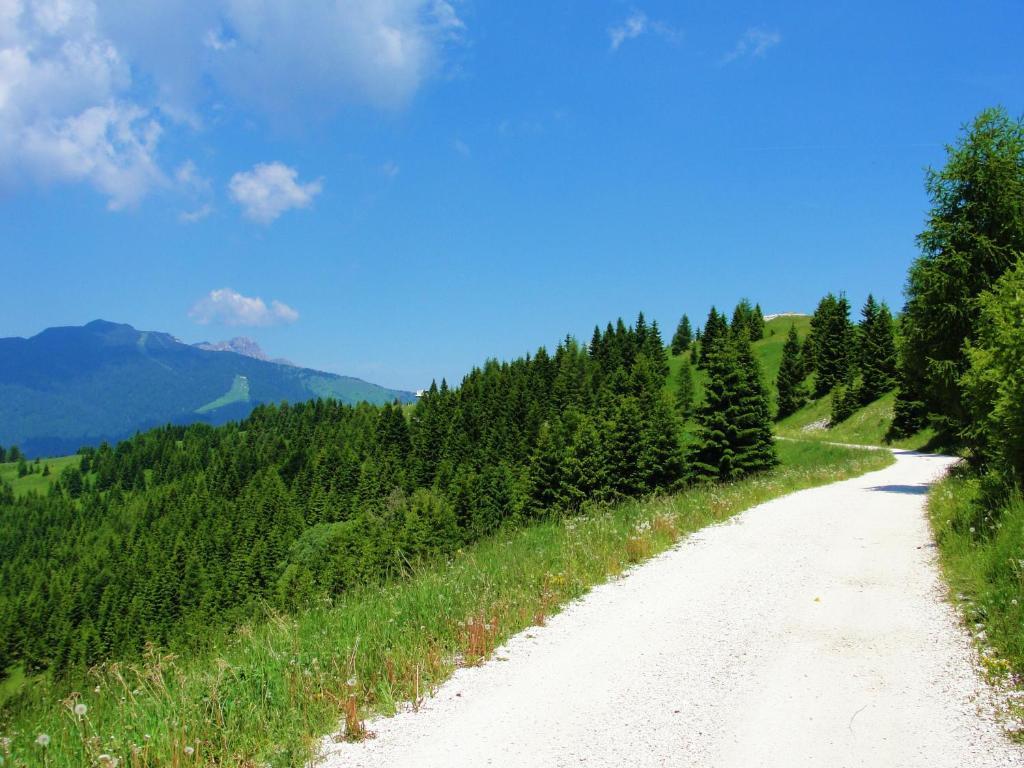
x=81, y=709
x=43, y=740
x=107, y=761
x=351, y=682
x=189, y=751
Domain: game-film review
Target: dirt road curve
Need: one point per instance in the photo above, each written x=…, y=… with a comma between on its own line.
x=810, y=631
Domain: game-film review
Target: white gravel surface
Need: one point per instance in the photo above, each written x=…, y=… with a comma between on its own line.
x=809, y=631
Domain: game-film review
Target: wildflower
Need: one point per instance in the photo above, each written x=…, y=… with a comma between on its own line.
x=351, y=682
x=43, y=740
x=81, y=709
x=146, y=737
x=107, y=761
x=189, y=751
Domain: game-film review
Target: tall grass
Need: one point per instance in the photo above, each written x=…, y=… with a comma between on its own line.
x=982, y=555
x=271, y=690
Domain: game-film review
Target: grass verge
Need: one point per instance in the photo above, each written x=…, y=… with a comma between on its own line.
x=269, y=691
x=982, y=558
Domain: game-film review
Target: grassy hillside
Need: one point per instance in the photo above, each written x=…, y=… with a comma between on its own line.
x=267, y=693
x=868, y=426
x=36, y=481
x=239, y=393
x=767, y=350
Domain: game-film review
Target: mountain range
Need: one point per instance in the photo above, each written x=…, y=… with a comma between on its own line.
x=80, y=385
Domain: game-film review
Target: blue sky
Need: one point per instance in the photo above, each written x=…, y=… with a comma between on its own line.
x=398, y=189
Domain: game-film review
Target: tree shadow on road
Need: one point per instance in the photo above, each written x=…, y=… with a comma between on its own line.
x=918, y=489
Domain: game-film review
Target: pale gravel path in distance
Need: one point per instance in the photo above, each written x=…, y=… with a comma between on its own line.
x=809, y=631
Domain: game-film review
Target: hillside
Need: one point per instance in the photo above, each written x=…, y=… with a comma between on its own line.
x=767, y=350
x=73, y=386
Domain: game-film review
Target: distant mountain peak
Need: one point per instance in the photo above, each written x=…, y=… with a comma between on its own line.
x=242, y=345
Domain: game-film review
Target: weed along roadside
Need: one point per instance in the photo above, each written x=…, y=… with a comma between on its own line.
x=810, y=631
x=268, y=693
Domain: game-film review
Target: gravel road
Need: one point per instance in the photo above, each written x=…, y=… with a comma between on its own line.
x=809, y=631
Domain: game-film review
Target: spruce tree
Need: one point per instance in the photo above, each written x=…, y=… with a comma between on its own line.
x=712, y=455
x=715, y=328
x=832, y=343
x=684, y=390
x=757, y=324
x=975, y=232
x=877, y=351
x=734, y=436
x=846, y=399
x=683, y=336
x=654, y=348
x=755, y=450
x=790, y=381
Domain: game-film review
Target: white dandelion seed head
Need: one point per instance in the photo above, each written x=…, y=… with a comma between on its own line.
x=189, y=751
x=351, y=682
x=43, y=740
x=81, y=709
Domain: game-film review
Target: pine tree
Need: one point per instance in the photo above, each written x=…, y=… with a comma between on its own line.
x=846, y=399
x=711, y=456
x=748, y=318
x=757, y=324
x=582, y=469
x=684, y=390
x=832, y=343
x=755, y=450
x=877, y=351
x=683, y=336
x=975, y=233
x=715, y=328
x=734, y=437
x=790, y=382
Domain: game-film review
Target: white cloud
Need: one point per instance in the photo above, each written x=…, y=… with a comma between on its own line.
x=228, y=307
x=270, y=189
x=192, y=217
x=634, y=26
x=755, y=42
x=637, y=24
x=373, y=51
x=461, y=147
x=390, y=169
x=89, y=87
x=62, y=114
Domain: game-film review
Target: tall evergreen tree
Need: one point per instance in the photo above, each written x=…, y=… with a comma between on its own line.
x=734, y=436
x=683, y=336
x=684, y=390
x=755, y=449
x=716, y=327
x=832, y=343
x=877, y=354
x=654, y=348
x=975, y=233
x=790, y=381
